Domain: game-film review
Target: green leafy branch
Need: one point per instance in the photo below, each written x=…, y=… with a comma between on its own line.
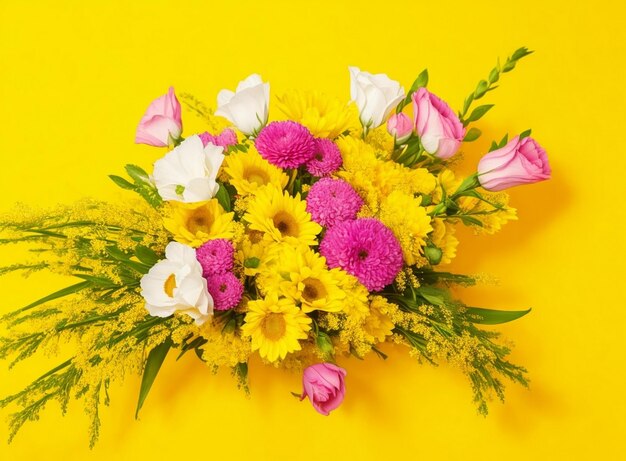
x=142, y=185
x=482, y=88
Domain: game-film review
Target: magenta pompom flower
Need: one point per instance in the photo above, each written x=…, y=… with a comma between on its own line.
x=225, y=289
x=365, y=248
x=225, y=139
x=326, y=159
x=285, y=144
x=215, y=256
x=331, y=201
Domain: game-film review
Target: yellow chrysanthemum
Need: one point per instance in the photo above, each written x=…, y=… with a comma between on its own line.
x=275, y=326
x=196, y=223
x=377, y=324
x=248, y=171
x=408, y=221
x=281, y=217
x=375, y=178
x=302, y=275
x=324, y=116
x=355, y=303
x=380, y=139
x=357, y=155
x=443, y=238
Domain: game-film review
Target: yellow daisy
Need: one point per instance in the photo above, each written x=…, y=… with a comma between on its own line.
x=302, y=275
x=281, y=217
x=196, y=223
x=248, y=171
x=324, y=116
x=254, y=253
x=275, y=327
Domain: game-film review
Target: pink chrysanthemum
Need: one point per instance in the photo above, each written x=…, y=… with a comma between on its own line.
x=225, y=289
x=331, y=201
x=366, y=249
x=326, y=159
x=225, y=139
x=215, y=256
x=285, y=144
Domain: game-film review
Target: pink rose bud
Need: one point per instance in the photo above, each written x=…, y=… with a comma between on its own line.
x=519, y=162
x=400, y=126
x=162, y=123
x=323, y=385
x=440, y=130
x=225, y=139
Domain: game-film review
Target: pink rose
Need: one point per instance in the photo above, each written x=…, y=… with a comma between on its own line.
x=161, y=123
x=400, y=126
x=225, y=139
x=519, y=162
x=323, y=385
x=440, y=130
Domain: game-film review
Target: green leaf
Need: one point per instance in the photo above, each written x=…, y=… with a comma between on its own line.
x=153, y=365
x=121, y=182
x=469, y=221
x=472, y=135
x=494, y=75
x=137, y=266
x=223, y=197
x=478, y=113
x=433, y=295
x=493, y=317
x=56, y=295
x=146, y=255
x=420, y=81
x=504, y=140
x=525, y=134
x=468, y=103
x=520, y=53
x=481, y=89
x=116, y=253
x=137, y=173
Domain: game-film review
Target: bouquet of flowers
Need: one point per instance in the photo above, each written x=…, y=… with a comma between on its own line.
x=319, y=235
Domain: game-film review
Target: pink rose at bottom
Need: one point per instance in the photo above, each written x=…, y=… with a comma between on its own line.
x=323, y=384
x=521, y=161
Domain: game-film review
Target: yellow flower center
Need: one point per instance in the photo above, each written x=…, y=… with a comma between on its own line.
x=313, y=290
x=274, y=326
x=286, y=224
x=200, y=220
x=169, y=285
x=256, y=175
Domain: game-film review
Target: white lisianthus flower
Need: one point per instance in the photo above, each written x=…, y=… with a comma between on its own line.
x=188, y=173
x=247, y=107
x=375, y=95
x=176, y=284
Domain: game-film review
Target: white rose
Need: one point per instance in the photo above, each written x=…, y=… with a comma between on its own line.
x=188, y=173
x=176, y=284
x=375, y=96
x=247, y=107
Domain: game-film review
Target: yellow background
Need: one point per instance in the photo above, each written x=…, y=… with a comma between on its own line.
x=75, y=77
